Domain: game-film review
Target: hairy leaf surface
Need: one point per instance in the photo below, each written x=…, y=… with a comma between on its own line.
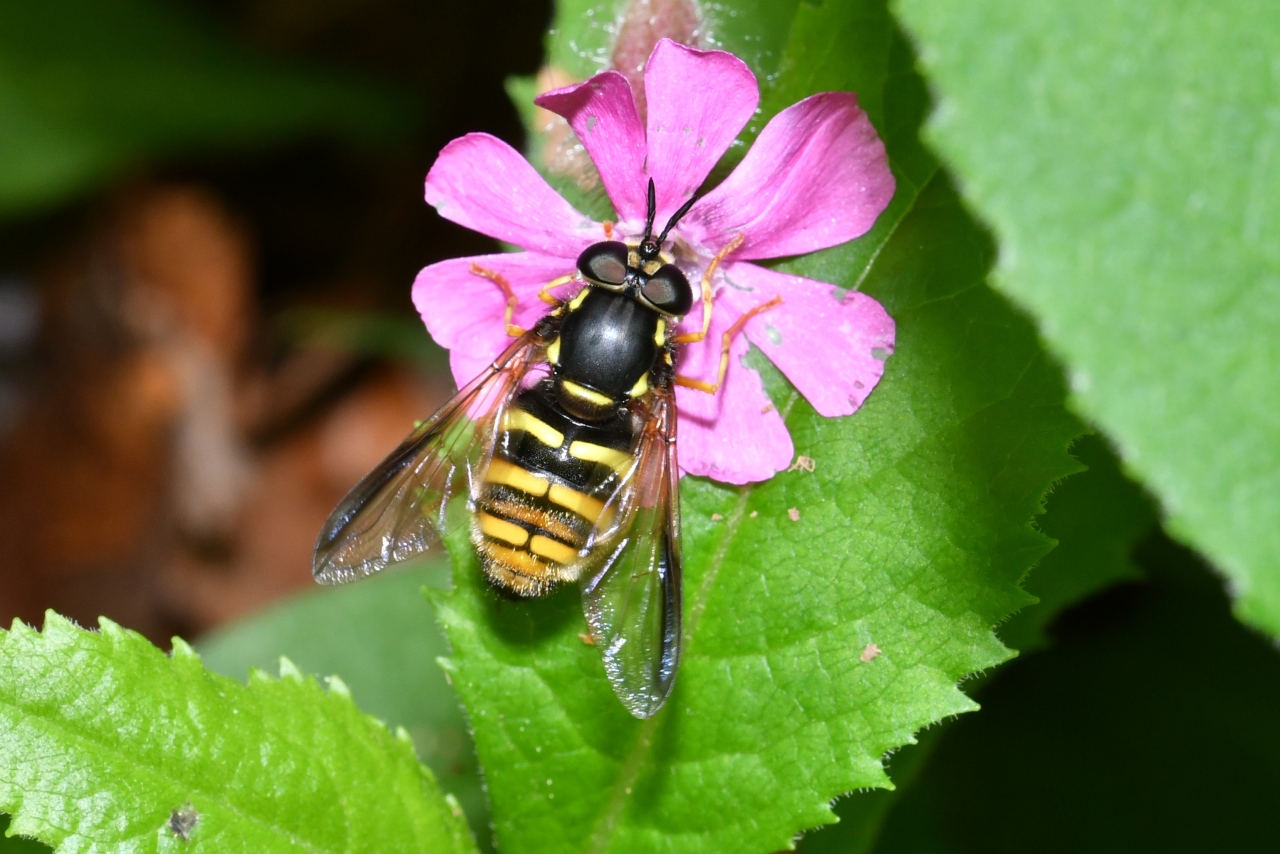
x=381, y=638
x=111, y=745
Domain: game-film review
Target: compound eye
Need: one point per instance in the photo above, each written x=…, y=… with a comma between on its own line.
x=604, y=263
x=668, y=291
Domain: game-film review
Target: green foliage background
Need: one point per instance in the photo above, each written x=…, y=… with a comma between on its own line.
x=89, y=88
x=1128, y=169
x=1118, y=161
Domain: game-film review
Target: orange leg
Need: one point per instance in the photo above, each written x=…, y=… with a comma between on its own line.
x=545, y=293
x=695, y=337
x=501, y=281
x=725, y=341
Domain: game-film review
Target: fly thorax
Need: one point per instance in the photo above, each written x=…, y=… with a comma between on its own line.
x=607, y=345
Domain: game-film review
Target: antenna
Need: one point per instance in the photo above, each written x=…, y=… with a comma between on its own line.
x=649, y=247
x=675, y=217
x=653, y=209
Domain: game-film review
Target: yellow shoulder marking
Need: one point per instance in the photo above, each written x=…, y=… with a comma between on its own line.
x=553, y=351
x=660, y=334
x=577, y=300
x=617, y=460
x=641, y=386
x=580, y=503
x=504, y=473
x=516, y=418
x=586, y=394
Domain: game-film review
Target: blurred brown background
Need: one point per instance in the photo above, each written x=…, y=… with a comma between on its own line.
x=205, y=328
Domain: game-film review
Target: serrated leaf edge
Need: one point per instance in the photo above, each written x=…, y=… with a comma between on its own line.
x=60, y=631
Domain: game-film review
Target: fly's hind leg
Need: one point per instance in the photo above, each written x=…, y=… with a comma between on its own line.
x=725, y=341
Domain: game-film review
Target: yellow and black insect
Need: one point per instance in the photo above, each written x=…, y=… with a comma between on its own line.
x=565, y=451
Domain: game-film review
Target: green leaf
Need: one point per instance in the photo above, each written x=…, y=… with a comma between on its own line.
x=381, y=638
x=88, y=88
x=1098, y=517
x=913, y=532
x=109, y=743
x=1148, y=726
x=1126, y=156
x=862, y=814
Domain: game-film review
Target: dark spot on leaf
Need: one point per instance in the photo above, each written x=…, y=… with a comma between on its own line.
x=183, y=821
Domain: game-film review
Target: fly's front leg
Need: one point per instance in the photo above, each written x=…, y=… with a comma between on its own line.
x=545, y=293
x=501, y=281
x=695, y=337
x=725, y=341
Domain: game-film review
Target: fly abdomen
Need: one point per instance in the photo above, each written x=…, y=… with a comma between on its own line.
x=526, y=544
x=537, y=505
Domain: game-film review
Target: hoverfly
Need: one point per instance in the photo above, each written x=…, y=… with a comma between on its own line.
x=565, y=451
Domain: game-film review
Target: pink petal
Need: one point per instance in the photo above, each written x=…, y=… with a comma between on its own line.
x=816, y=177
x=736, y=435
x=463, y=311
x=830, y=344
x=698, y=101
x=486, y=185
x=602, y=112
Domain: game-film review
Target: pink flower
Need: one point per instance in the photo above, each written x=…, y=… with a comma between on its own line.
x=816, y=177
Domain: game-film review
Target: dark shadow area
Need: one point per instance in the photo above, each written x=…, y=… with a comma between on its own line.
x=530, y=622
x=1149, y=725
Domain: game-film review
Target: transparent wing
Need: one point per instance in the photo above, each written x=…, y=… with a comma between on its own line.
x=631, y=577
x=404, y=507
